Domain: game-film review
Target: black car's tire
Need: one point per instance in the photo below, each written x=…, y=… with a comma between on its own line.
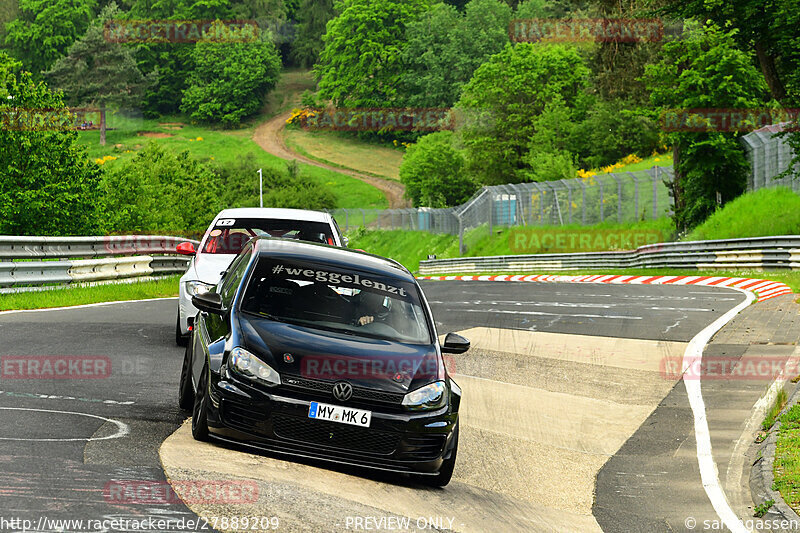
x=180, y=338
x=186, y=388
x=445, y=473
x=200, y=410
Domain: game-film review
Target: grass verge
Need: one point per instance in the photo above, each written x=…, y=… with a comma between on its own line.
x=410, y=247
x=221, y=146
x=786, y=467
x=765, y=212
x=346, y=152
x=113, y=292
x=775, y=409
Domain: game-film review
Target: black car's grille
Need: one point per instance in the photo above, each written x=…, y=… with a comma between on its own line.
x=335, y=435
x=326, y=387
x=242, y=417
x=423, y=447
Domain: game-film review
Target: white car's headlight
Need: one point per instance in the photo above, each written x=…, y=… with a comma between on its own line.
x=252, y=367
x=197, y=287
x=432, y=396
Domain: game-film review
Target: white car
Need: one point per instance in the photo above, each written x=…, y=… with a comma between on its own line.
x=225, y=238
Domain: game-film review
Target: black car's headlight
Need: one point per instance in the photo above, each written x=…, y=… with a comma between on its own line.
x=431, y=396
x=252, y=367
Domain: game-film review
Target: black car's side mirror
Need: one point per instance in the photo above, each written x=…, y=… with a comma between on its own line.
x=455, y=343
x=209, y=302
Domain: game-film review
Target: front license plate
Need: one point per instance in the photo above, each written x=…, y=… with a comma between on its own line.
x=336, y=413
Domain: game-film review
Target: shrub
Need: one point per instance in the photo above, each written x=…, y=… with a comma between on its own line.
x=433, y=172
x=282, y=188
x=230, y=80
x=159, y=191
x=47, y=184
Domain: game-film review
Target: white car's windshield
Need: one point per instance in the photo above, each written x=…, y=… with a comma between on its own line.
x=229, y=235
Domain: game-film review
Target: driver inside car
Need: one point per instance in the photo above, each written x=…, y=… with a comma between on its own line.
x=371, y=307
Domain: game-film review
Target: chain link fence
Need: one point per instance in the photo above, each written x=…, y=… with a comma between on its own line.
x=769, y=155
x=618, y=197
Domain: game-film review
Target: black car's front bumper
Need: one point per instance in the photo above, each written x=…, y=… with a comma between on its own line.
x=277, y=420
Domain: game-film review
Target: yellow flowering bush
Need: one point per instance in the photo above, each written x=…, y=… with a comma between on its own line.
x=102, y=160
x=300, y=117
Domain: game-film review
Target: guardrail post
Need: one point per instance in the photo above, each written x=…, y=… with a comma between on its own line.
x=363, y=219
x=346, y=220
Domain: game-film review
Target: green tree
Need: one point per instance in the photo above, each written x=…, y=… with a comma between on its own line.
x=503, y=98
x=230, y=79
x=99, y=72
x=312, y=21
x=705, y=70
x=362, y=62
x=171, y=60
x=613, y=129
x=767, y=28
x=433, y=172
x=443, y=49
x=47, y=184
x=550, y=154
x=45, y=30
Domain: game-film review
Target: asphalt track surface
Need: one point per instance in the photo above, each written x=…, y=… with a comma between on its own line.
x=56, y=455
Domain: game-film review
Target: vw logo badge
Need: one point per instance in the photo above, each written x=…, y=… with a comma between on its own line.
x=289, y=358
x=343, y=391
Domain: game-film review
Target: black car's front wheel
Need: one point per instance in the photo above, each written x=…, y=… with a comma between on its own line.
x=185, y=390
x=445, y=473
x=200, y=410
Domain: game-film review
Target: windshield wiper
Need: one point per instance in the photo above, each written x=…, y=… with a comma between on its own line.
x=265, y=315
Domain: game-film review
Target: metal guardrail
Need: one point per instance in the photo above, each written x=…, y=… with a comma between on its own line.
x=758, y=253
x=12, y=247
x=36, y=261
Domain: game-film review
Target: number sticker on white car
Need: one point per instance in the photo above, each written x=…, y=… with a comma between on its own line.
x=226, y=222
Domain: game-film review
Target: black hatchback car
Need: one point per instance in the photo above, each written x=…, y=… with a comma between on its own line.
x=324, y=353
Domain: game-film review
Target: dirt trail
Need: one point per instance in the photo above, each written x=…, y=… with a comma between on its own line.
x=269, y=136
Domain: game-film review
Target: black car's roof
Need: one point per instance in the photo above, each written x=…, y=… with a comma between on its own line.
x=307, y=252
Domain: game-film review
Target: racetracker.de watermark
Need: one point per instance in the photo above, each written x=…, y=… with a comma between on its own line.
x=400, y=369
x=728, y=119
x=619, y=30
x=49, y=119
x=729, y=368
x=529, y=240
x=180, y=31
x=378, y=119
x=216, y=492
x=55, y=367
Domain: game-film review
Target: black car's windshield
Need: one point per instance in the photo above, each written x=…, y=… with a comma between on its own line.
x=352, y=302
x=229, y=235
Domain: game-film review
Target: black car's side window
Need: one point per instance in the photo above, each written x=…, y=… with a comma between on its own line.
x=235, y=274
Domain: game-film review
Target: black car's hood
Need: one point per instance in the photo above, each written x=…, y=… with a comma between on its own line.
x=320, y=354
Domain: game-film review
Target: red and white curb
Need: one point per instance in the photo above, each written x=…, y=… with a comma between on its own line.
x=763, y=288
